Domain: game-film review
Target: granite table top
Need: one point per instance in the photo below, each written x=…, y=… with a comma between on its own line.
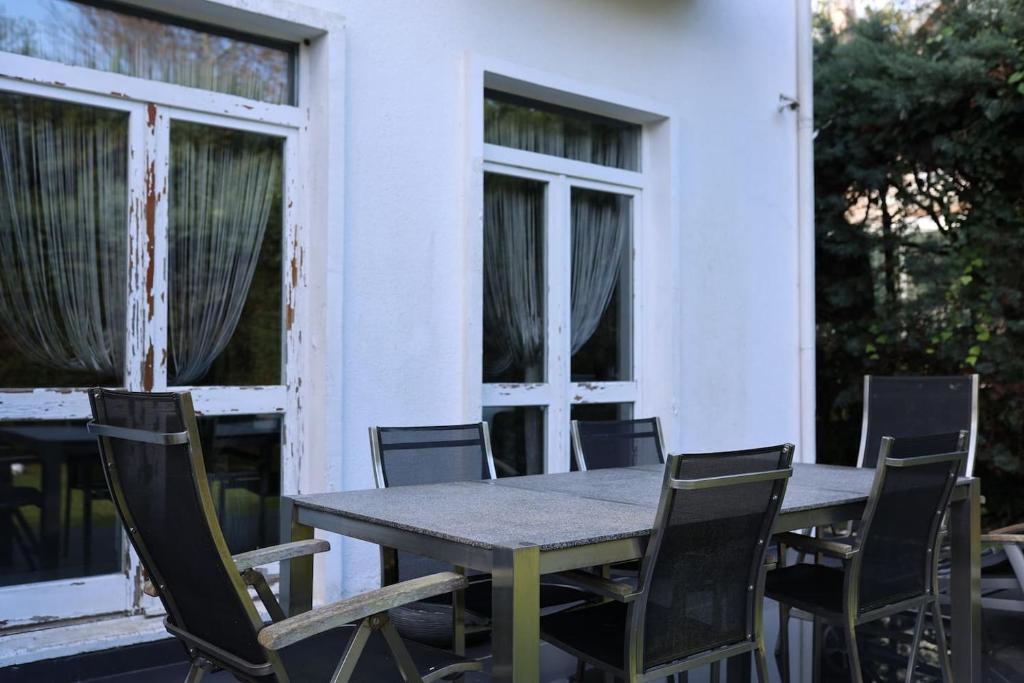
x=556, y=511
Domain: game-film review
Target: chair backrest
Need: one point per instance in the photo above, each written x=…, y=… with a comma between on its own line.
x=617, y=443
x=153, y=464
x=701, y=577
x=898, y=533
x=406, y=456
x=902, y=406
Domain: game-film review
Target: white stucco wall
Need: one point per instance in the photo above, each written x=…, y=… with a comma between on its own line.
x=716, y=66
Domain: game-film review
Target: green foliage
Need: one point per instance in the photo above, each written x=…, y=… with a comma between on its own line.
x=919, y=173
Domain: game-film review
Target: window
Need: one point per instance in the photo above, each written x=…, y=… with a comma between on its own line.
x=149, y=45
x=561, y=197
x=142, y=245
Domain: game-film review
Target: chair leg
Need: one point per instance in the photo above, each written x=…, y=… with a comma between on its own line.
x=581, y=670
x=716, y=672
x=87, y=523
x=940, y=637
x=761, y=660
x=850, y=631
x=915, y=643
x=347, y=665
x=66, y=544
x=197, y=670
x=782, y=648
x=402, y=657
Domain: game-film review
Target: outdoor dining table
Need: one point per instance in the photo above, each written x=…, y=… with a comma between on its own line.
x=519, y=528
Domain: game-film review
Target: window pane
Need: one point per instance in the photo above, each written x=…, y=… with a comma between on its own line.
x=601, y=299
x=517, y=439
x=601, y=411
x=513, y=121
x=56, y=517
x=243, y=464
x=513, y=279
x=225, y=322
x=63, y=237
x=147, y=45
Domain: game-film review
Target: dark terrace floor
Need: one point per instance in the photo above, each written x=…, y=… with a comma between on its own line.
x=1003, y=639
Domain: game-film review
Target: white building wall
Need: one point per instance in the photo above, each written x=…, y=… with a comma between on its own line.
x=716, y=66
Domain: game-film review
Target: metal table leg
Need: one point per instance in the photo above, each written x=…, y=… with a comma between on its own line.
x=515, y=620
x=296, y=584
x=965, y=584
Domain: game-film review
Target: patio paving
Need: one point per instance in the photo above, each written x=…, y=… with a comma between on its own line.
x=1003, y=647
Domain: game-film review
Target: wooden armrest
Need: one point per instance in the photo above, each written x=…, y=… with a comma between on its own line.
x=301, y=626
x=616, y=590
x=1002, y=538
x=1008, y=534
x=809, y=544
x=275, y=553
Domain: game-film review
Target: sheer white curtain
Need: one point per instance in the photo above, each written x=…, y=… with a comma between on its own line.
x=514, y=271
x=600, y=233
x=63, y=229
x=539, y=127
x=222, y=189
x=513, y=266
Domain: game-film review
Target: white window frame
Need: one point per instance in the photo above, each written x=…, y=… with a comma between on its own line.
x=648, y=390
x=310, y=291
x=558, y=392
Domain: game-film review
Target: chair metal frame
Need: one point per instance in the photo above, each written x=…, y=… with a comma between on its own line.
x=389, y=557
x=852, y=558
x=637, y=599
x=972, y=431
x=577, y=443
x=369, y=609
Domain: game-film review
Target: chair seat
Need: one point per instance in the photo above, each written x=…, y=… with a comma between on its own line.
x=595, y=631
x=810, y=587
x=316, y=658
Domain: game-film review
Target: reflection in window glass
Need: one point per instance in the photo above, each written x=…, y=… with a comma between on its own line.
x=56, y=517
x=63, y=237
x=225, y=257
x=513, y=279
x=595, y=412
x=147, y=46
x=513, y=121
x=601, y=292
x=517, y=439
x=243, y=464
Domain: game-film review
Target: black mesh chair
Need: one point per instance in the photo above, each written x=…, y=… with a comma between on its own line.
x=405, y=456
x=617, y=443
x=890, y=565
x=698, y=597
x=904, y=406
x=153, y=464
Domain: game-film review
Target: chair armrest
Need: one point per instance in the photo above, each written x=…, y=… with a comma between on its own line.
x=1008, y=534
x=606, y=588
x=275, y=553
x=301, y=626
x=809, y=544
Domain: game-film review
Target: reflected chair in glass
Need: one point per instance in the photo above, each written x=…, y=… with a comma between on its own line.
x=698, y=597
x=404, y=456
x=15, y=529
x=153, y=463
x=617, y=443
x=82, y=475
x=891, y=564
